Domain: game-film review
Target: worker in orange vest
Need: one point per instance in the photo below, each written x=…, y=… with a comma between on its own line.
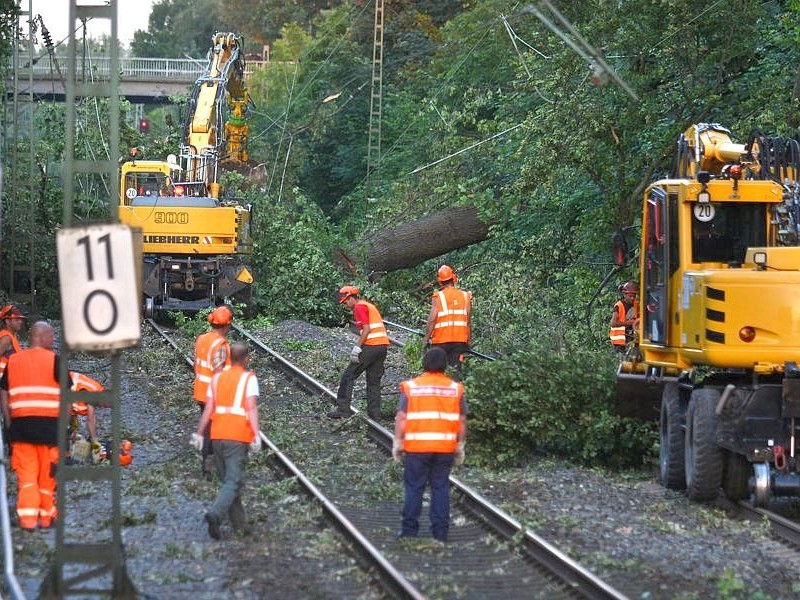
x=80, y=383
x=625, y=317
x=29, y=395
x=449, y=322
x=211, y=354
x=231, y=409
x=429, y=435
x=11, y=322
x=369, y=354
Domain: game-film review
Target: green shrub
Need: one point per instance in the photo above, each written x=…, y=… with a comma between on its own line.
x=538, y=400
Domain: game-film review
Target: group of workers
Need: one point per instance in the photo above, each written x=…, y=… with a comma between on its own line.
x=30, y=394
x=430, y=420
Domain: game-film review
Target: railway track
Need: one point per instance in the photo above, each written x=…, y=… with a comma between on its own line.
x=491, y=554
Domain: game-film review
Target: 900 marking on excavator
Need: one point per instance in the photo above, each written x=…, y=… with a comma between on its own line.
x=173, y=218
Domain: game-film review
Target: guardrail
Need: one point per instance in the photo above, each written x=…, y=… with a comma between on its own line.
x=147, y=69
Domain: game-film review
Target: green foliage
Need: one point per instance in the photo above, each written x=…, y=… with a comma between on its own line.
x=537, y=400
x=177, y=28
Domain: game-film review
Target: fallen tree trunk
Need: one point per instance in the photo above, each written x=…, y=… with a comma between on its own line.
x=417, y=241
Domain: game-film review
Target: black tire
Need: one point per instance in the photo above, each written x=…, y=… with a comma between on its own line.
x=735, y=479
x=672, y=437
x=703, y=455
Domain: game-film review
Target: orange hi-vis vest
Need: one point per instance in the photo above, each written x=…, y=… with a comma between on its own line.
x=617, y=334
x=377, y=330
x=452, y=324
x=433, y=418
x=207, y=346
x=33, y=390
x=14, y=345
x=229, y=420
x=83, y=383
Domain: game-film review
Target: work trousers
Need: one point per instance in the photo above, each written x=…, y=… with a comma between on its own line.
x=34, y=465
x=229, y=458
x=207, y=449
x=370, y=360
x=454, y=351
x=419, y=469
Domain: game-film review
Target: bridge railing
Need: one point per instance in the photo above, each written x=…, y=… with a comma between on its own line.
x=147, y=69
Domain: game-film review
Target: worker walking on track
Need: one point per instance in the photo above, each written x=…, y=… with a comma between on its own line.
x=449, y=322
x=231, y=409
x=369, y=354
x=30, y=394
x=429, y=435
x=11, y=323
x=211, y=354
x=625, y=317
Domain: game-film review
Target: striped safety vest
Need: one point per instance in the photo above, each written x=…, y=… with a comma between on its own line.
x=377, y=330
x=229, y=420
x=205, y=351
x=617, y=334
x=452, y=324
x=33, y=390
x=433, y=418
x=14, y=345
x=83, y=383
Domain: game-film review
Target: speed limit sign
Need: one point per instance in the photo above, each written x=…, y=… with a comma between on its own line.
x=99, y=295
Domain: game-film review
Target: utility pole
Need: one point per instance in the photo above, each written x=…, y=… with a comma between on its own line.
x=376, y=99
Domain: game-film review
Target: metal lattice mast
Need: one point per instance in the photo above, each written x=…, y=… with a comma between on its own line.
x=90, y=567
x=376, y=98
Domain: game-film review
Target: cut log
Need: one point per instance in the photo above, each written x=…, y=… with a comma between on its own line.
x=414, y=242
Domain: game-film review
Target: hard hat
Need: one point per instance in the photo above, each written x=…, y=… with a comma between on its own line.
x=125, y=457
x=221, y=315
x=629, y=287
x=346, y=291
x=11, y=311
x=445, y=274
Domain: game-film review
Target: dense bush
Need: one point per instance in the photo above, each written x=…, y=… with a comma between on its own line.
x=537, y=400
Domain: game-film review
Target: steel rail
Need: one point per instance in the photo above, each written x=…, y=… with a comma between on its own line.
x=542, y=552
x=394, y=581
x=421, y=333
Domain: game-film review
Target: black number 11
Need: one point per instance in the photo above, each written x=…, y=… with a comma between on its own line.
x=106, y=240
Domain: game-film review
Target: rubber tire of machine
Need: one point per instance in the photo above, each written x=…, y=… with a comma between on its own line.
x=672, y=437
x=703, y=455
x=735, y=479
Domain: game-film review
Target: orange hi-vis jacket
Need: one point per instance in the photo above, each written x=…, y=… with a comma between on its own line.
x=207, y=348
x=229, y=420
x=33, y=390
x=377, y=330
x=452, y=324
x=81, y=383
x=14, y=344
x=433, y=418
x=617, y=334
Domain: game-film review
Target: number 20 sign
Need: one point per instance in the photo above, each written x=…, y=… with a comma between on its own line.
x=99, y=295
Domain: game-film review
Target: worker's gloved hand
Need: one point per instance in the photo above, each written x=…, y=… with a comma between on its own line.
x=355, y=354
x=458, y=455
x=397, y=451
x=196, y=441
x=255, y=445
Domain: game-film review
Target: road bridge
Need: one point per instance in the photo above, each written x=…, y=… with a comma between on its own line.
x=142, y=80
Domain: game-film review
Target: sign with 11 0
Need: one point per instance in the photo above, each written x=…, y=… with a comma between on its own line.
x=99, y=293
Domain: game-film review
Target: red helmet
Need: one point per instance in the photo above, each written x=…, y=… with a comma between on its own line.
x=11, y=311
x=222, y=315
x=346, y=291
x=446, y=273
x=629, y=287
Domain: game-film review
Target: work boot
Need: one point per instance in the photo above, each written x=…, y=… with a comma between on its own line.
x=213, y=525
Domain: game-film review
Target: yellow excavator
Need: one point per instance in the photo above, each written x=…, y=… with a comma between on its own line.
x=195, y=242
x=719, y=333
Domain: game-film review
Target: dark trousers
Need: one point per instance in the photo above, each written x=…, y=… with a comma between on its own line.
x=370, y=360
x=207, y=448
x=420, y=468
x=229, y=458
x=454, y=350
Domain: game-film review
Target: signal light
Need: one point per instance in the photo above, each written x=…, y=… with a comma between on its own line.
x=747, y=334
x=144, y=126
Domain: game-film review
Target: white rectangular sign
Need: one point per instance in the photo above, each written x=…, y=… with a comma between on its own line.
x=99, y=294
